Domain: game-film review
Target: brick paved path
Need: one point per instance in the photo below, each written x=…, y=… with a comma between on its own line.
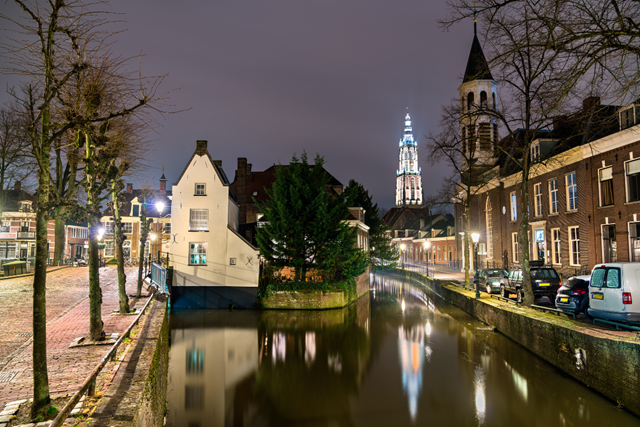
x=67, y=319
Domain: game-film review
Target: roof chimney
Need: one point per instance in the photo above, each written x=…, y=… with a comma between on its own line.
x=218, y=163
x=129, y=187
x=590, y=102
x=201, y=147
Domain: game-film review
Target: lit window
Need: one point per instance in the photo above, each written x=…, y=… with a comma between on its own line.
x=537, y=190
x=514, y=207
x=108, y=249
x=633, y=180
x=574, y=246
x=555, y=246
x=254, y=194
x=572, y=191
x=553, y=196
x=515, y=247
x=198, y=253
x=200, y=190
x=6, y=227
x=489, y=230
x=606, y=186
x=199, y=220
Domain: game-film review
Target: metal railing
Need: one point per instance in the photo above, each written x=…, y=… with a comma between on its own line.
x=90, y=383
x=418, y=268
x=159, y=277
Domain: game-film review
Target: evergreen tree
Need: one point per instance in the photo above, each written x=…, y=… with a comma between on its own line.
x=306, y=226
x=380, y=248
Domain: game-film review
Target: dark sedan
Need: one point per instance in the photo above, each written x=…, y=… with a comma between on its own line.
x=573, y=295
x=489, y=279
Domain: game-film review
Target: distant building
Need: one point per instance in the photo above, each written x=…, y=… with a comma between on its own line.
x=408, y=181
x=214, y=265
x=135, y=200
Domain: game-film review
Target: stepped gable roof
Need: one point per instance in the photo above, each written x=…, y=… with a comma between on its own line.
x=11, y=198
x=258, y=182
x=477, y=66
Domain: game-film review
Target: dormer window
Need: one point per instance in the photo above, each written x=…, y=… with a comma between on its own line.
x=535, y=152
x=135, y=210
x=25, y=206
x=627, y=117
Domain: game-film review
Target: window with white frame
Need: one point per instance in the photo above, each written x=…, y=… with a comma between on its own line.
x=73, y=232
x=555, y=246
x=632, y=170
x=609, y=243
x=537, y=191
x=108, y=249
x=127, y=227
x=553, y=196
x=8, y=251
x=514, y=207
x=574, y=246
x=83, y=233
x=108, y=227
x=198, y=253
x=166, y=229
x=199, y=220
x=606, y=186
x=201, y=189
x=482, y=249
x=489, y=230
x=572, y=191
x=634, y=241
x=515, y=247
x=535, y=152
x=5, y=226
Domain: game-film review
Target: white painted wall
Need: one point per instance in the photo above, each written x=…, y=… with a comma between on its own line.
x=223, y=243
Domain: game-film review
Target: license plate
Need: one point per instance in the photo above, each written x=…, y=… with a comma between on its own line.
x=564, y=299
x=598, y=296
x=544, y=284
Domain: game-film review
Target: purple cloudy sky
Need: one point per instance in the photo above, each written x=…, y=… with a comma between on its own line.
x=265, y=79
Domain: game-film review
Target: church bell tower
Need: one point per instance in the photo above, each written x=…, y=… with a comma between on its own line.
x=408, y=181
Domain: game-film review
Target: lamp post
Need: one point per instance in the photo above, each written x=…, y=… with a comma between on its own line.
x=476, y=237
x=402, y=246
x=160, y=208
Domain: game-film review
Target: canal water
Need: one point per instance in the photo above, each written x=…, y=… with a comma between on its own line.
x=395, y=358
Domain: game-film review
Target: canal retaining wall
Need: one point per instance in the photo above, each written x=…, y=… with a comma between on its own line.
x=607, y=363
x=316, y=300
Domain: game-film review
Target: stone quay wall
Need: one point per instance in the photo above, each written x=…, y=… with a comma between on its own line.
x=315, y=300
x=607, y=363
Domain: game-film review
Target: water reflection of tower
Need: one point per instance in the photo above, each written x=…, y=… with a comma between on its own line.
x=410, y=346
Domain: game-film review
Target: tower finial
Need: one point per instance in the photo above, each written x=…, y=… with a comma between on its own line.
x=475, y=25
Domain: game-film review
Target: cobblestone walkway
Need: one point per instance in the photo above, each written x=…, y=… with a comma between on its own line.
x=67, y=319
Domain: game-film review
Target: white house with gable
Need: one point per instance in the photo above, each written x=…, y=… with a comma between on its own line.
x=214, y=266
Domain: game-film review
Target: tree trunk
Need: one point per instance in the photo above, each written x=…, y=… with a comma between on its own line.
x=41, y=399
x=96, y=331
x=144, y=232
x=119, y=240
x=58, y=250
x=524, y=238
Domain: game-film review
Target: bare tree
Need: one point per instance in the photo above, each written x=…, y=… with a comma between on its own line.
x=16, y=162
x=462, y=154
x=52, y=44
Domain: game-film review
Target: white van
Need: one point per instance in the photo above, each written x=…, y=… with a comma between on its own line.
x=612, y=290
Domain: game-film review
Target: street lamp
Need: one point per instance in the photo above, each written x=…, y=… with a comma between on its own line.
x=476, y=237
x=402, y=246
x=160, y=208
x=427, y=246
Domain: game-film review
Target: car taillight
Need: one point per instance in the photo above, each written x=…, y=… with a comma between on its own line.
x=580, y=291
x=626, y=298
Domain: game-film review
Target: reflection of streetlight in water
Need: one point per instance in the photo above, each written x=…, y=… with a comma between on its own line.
x=410, y=345
x=481, y=403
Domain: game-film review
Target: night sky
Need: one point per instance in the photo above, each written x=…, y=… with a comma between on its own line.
x=265, y=79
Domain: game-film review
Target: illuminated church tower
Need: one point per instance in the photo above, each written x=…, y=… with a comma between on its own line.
x=409, y=181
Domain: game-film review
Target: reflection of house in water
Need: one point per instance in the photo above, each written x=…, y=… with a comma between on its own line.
x=211, y=371
x=411, y=348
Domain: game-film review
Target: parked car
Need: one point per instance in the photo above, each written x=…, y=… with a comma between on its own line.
x=545, y=282
x=573, y=295
x=611, y=292
x=489, y=279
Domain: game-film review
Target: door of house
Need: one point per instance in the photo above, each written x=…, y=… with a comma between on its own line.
x=78, y=251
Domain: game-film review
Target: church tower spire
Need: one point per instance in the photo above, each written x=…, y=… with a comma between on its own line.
x=478, y=93
x=408, y=181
